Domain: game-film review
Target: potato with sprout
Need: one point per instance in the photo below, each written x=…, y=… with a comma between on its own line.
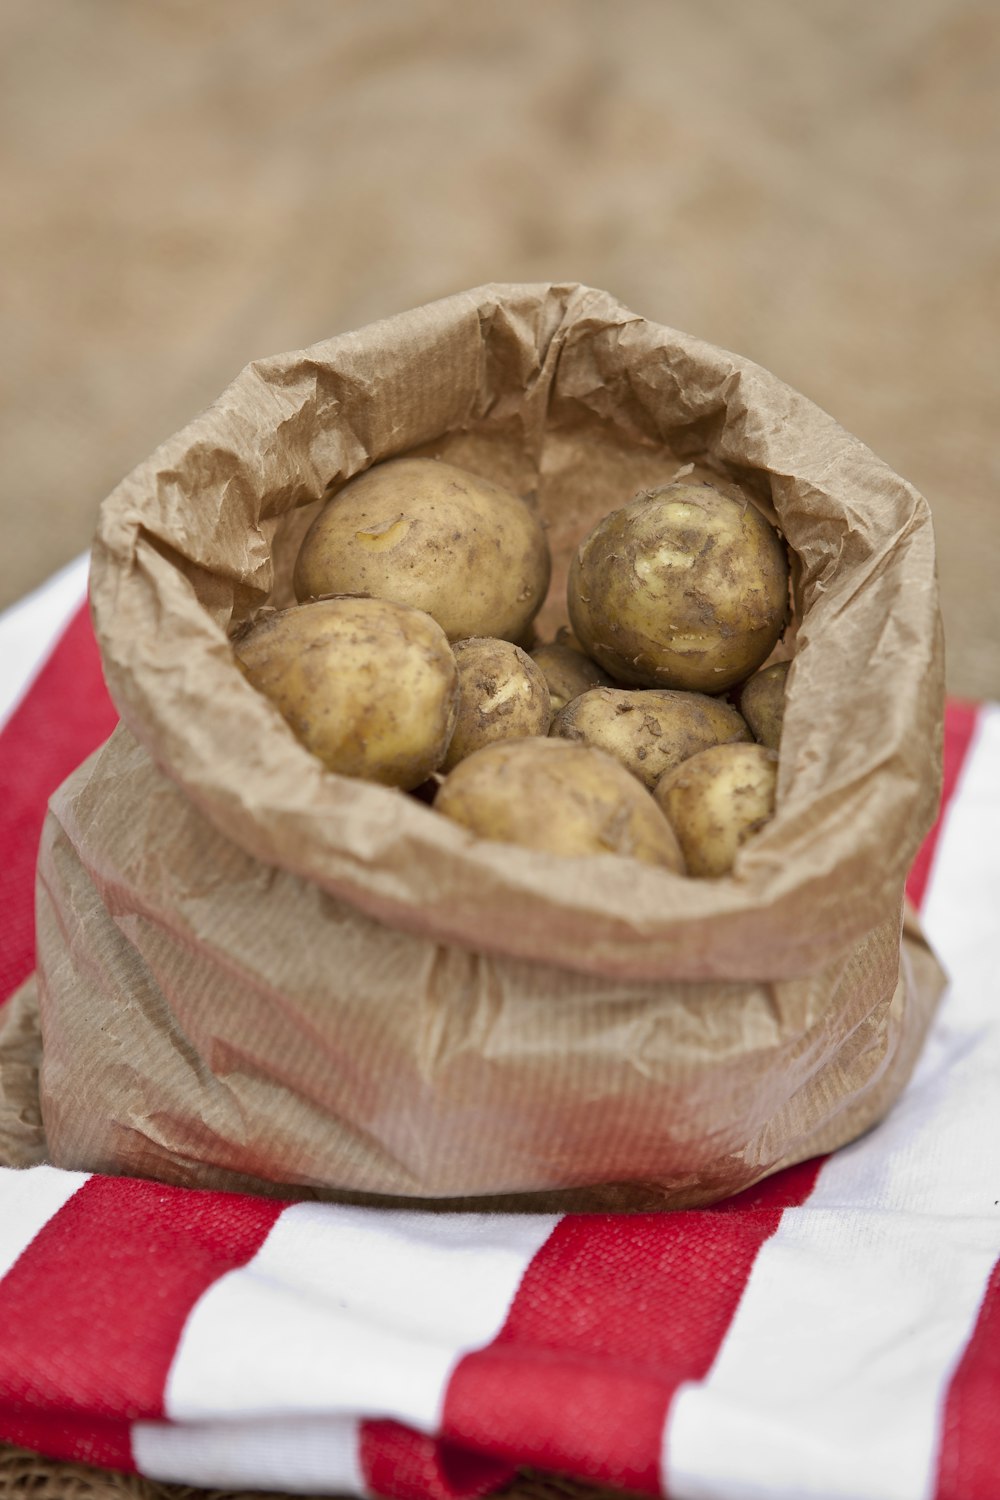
x=649, y=731
x=567, y=799
x=470, y=554
x=502, y=695
x=718, y=800
x=370, y=687
x=684, y=587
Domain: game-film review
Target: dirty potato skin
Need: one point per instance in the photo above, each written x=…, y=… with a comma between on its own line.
x=762, y=703
x=568, y=672
x=649, y=731
x=502, y=695
x=325, y=667
x=560, y=798
x=684, y=587
x=716, y=801
x=470, y=554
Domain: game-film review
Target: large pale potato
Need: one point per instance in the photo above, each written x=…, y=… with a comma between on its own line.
x=650, y=731
x=568, y=672
x=716, y=801
x=762, y=703
x=502, y=695
x=561, y=798
x=684, y=587
x=469, y=553
x=370, y=687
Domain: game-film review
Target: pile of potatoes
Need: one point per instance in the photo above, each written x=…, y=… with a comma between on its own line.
x=647, y=729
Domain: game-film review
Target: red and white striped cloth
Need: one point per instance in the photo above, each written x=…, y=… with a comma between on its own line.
x=834, y=1332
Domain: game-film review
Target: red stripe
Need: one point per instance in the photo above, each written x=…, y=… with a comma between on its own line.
x=65, y=715
x=969, y=1462
x=959, y=726
x=406, y=1465
x=613, y=1313
x=786, y=1189
x=93, y=1310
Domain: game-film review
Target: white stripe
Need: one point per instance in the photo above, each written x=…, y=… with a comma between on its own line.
x=297, y=1457
x=831, y=1377
x=350, y=1311
x=28, y=1200
x=30, y=629
x=961, y=911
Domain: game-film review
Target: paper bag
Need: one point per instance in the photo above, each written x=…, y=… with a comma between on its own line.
x=253, y=971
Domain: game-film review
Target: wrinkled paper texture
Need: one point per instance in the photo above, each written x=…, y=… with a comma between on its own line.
x=254, y=971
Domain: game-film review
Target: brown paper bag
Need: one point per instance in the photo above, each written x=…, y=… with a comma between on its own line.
x=254, y=971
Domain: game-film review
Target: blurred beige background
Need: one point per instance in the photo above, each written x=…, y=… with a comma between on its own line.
x=185, y=186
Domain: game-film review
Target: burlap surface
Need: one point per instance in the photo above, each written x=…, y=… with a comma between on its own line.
x=27, y=1476
x=255, y=973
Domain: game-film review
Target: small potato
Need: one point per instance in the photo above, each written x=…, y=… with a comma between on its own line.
x=762, y=703
x=684, y=587
x=502, y=695
x=560, y=798
x=568, y=672
x=716, y=801
x=649, y=732
x=565, y=637
x=368, y=686
x=469, y=553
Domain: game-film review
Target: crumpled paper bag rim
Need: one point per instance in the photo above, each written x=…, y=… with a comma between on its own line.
x=820, y=875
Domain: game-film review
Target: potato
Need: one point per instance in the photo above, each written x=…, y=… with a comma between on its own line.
x=502, y=696
x=716, y=801
x=561, y=798
x=370, y=687
x=684, y=587
x=649, y=731
x=565, y=637
x=762, y=703
x=568, y=672
x=423, y=533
